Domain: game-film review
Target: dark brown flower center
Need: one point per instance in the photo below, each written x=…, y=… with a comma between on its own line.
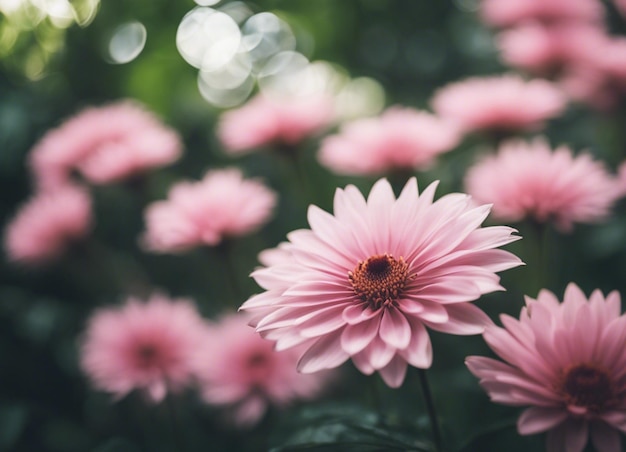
x=147, y=355
x=588, y=386
x=379, y=280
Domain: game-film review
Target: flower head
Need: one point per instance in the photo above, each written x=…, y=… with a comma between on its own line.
x=530, y=180
x=223, y=204
x=505, y=13
x=505, y=103
x=364, y=283
x=147, y=346
x=267, y=120
x=104, y=144
x=400, y=138
x=566, y=361
x=241, y=371
x=47, y=224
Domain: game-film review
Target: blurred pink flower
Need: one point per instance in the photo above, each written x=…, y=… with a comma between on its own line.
x=502, y=103
x=621, y=6
x=530, y=180
x=266, y=121
x=549, y=49
x=47, y=224
x=241, y=371
x=147, y=346
x=506, y=13
x=104, y=144
x=621, y=175
x=400, y=138
x=223, y=204
x=364, y=283
x=599, y=77
x=566, y=361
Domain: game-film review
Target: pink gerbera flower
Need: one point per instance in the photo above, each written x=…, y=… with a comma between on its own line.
x=364, y=283
x=567, y=362
x=530, y=180
x=223, y=204
x=242, y=372
x=104, y=144
x=505, y=13
x=402, y=138
x=47, y=224
x=145, y=346
x=265, y=121
x=501, y=103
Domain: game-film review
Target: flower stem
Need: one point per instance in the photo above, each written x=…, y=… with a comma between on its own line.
x=430, y=407
x=177, y=438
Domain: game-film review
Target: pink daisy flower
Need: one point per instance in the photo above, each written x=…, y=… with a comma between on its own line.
x=104, y=144
x=240, y=371
x=530, y=180
x=45, y=227
x=549, y=49
x=499, y=103
x=223, y=204
x=145, y=346
x=505, y=13
x=266, y=121
x=364, y=283
x=400, y=138
x=568, y=363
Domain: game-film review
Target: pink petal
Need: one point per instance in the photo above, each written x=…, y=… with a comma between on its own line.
x=325, y=353
x=395, y=329
x=539, y=419
x=463, y=319
x=605, y=438
x=419, y=352
x=393, y=373
x=356, y=337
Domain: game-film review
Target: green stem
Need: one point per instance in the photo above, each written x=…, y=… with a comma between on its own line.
x=177, y=438
x=430, y=407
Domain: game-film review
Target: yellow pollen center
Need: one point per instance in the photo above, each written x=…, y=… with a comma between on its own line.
x=587, y=386
x=379, y=279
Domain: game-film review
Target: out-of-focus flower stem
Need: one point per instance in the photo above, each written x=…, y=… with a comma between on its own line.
x=432, y=413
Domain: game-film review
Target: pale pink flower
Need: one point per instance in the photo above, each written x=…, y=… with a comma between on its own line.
x=621, y=176
x=401, y=138
x=223, y=204
x=147, y=346
x=529, y=180
x=240, y=371
x=621, y=6
x=501, y=103
x=549, y=49
x=364, y=283
x=267, y=120
x=46, y=226
x=104, y=144
x=566, y=361
x=506, y=13
x=599, y=77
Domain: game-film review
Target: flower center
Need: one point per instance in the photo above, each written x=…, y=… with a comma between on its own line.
x=587, y=386
x=379, y=279
x=147, y=355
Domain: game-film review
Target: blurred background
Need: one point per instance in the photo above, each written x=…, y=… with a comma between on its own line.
x=59, y=56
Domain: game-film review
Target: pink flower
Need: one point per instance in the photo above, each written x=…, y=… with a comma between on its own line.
x=566, y=361
x=505, y=13
x=621, y=6
x=505, y=103
x=146, y=346
x=621, y=177
x=104, y=144
x=47, y=224
x=242, y=372
x=223, y=204
x=549, y=49
x=266, y=121
x=530, y=180
x=400, y=138
x=364, y=283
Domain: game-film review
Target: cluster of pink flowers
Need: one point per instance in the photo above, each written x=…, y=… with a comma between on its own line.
x=529, y=180
x=223, y=204
x=564, y=40
x=266, y=121
x=162, y=346
x=401, y=138
x=567, y=362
